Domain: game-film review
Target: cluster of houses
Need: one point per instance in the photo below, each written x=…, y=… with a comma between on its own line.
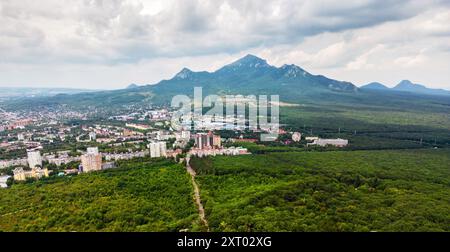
x=205, y=144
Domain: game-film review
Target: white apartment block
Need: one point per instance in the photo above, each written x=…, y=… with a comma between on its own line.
x=158, y=149
x=34, y=159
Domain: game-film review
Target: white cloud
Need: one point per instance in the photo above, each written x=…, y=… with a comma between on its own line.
x=74, y=42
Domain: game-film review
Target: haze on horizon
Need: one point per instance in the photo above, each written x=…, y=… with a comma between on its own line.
x=108, y=44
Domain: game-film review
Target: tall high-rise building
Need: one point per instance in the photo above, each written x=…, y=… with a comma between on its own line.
x=158, y=149
x=34, y=159
x=92, y=136
x=92, y=160
x=207, y=140
x=217, y=141
x=185, y=134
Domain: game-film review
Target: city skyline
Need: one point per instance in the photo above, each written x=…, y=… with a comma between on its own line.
x=110, y=44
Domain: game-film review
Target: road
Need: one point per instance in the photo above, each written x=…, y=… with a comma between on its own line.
x=201, y=209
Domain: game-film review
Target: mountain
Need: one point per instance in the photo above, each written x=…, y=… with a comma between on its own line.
x=249, y=62
x=375, y=85
x=248, y=75
x=408, y=86
x=132, y=86
x=251, y=75
x=15, y=92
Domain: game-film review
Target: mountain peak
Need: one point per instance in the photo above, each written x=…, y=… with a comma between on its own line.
x=375, y=85
x=406, y=85
x=251, y=57
x=250, y=61
x=293, y=70
x=132, y=86
x=291, y=66
x=184, y=73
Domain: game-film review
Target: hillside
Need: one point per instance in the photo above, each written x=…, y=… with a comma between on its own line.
x=17, y=92
x=327, y=191
x=407, y=86
x=374, y=85
x=139, y=196
x=248, y=75
x=253, y=75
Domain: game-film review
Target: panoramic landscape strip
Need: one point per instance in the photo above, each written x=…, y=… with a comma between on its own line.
x=225, y=124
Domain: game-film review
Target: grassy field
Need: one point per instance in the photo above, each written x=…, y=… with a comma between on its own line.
x=140, y=196
x=402, y=190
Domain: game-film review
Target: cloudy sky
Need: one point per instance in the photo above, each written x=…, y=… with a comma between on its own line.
x=108, y=44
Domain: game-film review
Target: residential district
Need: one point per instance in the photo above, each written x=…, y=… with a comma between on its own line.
x=40, y=144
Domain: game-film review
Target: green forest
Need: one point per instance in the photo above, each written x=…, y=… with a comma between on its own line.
x=401, y=190
x=376, y=190
x=141, y=195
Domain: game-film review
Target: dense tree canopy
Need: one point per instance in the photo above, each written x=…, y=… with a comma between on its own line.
x=141, y=195
x=328, y=191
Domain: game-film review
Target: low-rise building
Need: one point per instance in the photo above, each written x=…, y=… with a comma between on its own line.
x=332, y=142
x=183, y=135
x=108, y=165
x=13, y=162
x=138, y=126
x=20, y=137
x=36, y=173
x=296, y=136
x=310, y=139
x=125, y=156
x=174, y=153
x=71, y=171
x=232, y=151
x=3, y=181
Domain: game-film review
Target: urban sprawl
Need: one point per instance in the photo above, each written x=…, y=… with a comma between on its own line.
x=40, y=144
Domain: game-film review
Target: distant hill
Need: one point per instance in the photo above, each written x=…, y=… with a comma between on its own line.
x=132, y=86
x=248, y=75
x=407, y=86
x=38, y=92
x=375, y=85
